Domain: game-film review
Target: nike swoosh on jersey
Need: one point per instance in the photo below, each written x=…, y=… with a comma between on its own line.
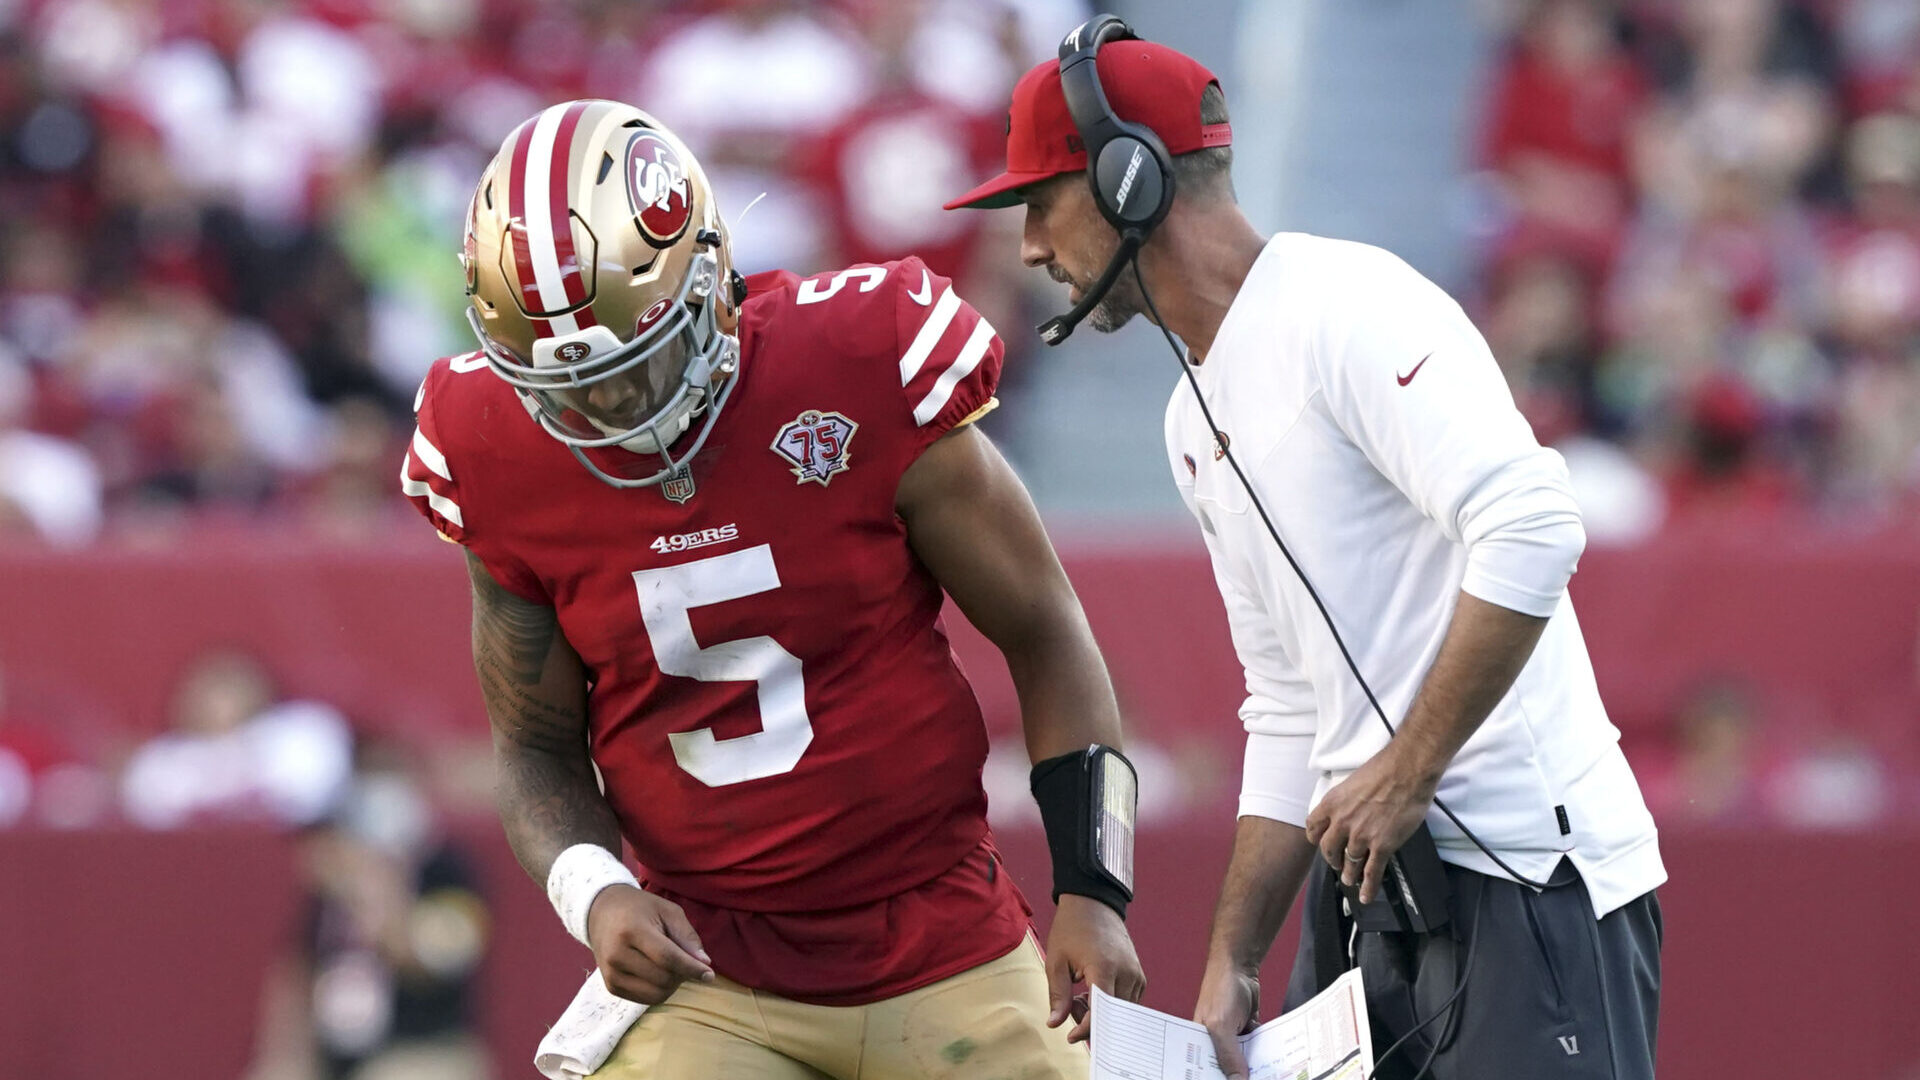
x=925, y=295
x=1408, y=377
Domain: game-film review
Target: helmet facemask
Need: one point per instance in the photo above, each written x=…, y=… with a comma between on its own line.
x=641, y=396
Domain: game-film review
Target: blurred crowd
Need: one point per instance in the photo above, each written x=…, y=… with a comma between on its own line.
x=227, y=226
x=1702, y=268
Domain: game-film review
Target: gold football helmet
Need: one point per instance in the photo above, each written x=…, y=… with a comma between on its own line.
x=601, y=283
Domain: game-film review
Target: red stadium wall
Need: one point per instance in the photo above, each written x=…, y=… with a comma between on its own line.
x=1827, y=628
x=1788, y=954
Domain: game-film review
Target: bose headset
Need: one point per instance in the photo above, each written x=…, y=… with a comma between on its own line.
x=1127, y=164
x=1132, y=178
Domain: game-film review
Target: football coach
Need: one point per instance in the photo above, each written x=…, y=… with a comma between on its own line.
x=1426, y=748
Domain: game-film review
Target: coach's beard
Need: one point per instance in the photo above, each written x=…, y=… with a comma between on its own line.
x=1112, y=311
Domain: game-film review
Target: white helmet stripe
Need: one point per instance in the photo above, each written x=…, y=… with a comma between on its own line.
x=539, y=215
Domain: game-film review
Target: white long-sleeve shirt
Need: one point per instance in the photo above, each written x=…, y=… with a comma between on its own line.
x=1371, y=418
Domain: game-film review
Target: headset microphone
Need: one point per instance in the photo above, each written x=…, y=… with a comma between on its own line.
x=1060, y=327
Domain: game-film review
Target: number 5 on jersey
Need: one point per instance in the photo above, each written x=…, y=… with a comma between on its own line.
x=666, y=595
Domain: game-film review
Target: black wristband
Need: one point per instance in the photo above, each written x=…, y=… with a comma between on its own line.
x=1066, y=788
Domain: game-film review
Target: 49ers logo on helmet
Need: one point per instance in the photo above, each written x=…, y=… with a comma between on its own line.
x=572, y=352
x=657, y=183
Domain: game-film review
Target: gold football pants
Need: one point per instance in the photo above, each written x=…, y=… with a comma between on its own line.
x=988, y=1022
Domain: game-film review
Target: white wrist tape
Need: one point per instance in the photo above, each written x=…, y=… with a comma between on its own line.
x=577, y=877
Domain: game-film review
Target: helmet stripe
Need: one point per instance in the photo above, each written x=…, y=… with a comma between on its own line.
x=542, y=238
x=517, y=225
x=536, y=175
x=557, y=189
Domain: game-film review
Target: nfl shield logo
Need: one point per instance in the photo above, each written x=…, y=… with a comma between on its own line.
x=679, y=486
x=815, y=444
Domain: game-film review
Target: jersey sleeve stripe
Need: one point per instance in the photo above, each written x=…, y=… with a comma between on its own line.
x=439, y=503
x=970, y=356
x=929, y=336
x=430, y=455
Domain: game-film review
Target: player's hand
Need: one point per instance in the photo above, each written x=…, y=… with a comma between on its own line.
x=1088, y=943
x=1365, y=818
x=1228, y=1007
x=643, y=944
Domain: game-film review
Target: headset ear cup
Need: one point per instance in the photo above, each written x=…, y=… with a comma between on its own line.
x=1163, y=163
x=1128, y=168
x=1130, y=181
x=1133, y=179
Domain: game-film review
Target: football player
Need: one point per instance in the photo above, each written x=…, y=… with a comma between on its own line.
x=708, y=521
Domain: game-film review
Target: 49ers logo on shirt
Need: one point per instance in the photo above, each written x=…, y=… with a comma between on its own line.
x=658, y=187
x=816, y=444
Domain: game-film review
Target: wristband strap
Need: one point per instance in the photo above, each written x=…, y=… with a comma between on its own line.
x=1087, y=804
x=577, y=877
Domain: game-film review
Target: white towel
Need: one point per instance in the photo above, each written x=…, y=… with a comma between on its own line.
x=585, y=1035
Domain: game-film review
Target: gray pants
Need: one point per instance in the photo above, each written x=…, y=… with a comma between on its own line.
x=1552, y=993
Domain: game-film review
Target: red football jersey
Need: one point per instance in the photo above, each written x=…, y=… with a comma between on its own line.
x=775, y=709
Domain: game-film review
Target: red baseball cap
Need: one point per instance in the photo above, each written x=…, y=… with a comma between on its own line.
x=1145, y=83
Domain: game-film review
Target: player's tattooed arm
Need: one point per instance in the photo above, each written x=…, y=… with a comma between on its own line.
x=536, y=695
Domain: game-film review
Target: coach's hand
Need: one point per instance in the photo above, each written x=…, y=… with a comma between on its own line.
x=1229, y=1006
x=643, y=944
x=1365, y=818
x=1088, y=943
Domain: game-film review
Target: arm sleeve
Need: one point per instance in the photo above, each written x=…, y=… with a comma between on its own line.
x=1409, y=379
x=904, y=335
x=949, y=355
x=427, y=480
x=1279, y=713
x=425, y=477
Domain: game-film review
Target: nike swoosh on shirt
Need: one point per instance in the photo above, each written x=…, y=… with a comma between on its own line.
x=1408, y=377
x=925, y=295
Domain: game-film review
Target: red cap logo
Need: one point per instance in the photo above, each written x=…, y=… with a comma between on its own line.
x=658, y=186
